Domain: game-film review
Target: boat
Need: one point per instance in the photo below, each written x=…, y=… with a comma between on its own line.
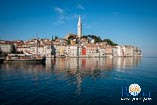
x=24, y=58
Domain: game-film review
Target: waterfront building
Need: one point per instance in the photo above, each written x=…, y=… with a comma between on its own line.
x=137, y=51
x=36, y=47
x=71, y=51
x=6, y=48
x=83, y=41
x=59, y=50
x=118, y=51
x=92, y=50
x=102, y=52
x=108, y=50
x=128, y=51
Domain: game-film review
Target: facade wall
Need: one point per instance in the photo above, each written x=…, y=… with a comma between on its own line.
x=118, y=51
x=6, y=48
x=60, y=48
x=108, y=51
x=102, y=52
x=41, y=51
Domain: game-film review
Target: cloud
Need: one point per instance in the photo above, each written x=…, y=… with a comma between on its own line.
x=60, y=20
x=60, y=16
x=79, y=6
x=59, y=10
x=63, y=15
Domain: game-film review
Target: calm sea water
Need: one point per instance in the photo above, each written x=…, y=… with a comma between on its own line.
x=72, y=81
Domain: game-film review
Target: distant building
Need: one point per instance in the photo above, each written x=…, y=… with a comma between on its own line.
x=6, y=48
x=128, y=51
x=71, y=51
x=118, y=51
x=108, y=51
x=36, y=47
x=137, y=51
x=92, y=50
x=102, y=52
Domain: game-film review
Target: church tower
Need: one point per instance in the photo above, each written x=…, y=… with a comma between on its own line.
x=79, y=27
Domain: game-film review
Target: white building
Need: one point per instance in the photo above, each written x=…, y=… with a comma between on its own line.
x=102, y=52
x=71, y=51
x=118, y=51
x=6, y=48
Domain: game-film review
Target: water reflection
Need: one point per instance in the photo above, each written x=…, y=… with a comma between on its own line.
x=91, y=64
x=72, y=65
x=93, y=67
x=74, y=68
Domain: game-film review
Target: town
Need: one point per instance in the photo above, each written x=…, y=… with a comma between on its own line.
x=71, y=45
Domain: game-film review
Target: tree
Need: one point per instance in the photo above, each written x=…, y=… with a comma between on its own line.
x=56, y=37
x=110, y=42
x=68, y=42
x=13, y=49
x=71, y=37
x=98, y=39
x=52, y=38
x=84, y=37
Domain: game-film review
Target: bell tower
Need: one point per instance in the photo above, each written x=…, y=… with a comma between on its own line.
x=79, y=27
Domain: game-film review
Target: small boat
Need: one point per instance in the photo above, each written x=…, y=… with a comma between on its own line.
x=24, y=58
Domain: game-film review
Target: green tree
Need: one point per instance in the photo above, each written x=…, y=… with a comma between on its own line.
x=13, y=49
x=110, y=42
x=71, y=37
x=56, y=37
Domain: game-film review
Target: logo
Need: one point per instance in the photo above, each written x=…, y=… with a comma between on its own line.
x=134, y=93
x=134, y=89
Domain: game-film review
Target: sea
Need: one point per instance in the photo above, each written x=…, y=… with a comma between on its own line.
x=80, y=81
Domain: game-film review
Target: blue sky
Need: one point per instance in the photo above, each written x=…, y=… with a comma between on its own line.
x=132, y=22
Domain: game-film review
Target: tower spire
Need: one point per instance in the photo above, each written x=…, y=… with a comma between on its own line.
x=79, y=27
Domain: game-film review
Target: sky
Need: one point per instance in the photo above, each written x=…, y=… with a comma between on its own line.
x=129, y=22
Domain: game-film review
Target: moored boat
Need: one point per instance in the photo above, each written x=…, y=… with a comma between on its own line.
x=24, y=58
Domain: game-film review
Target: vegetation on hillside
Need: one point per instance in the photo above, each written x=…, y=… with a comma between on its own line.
x=98, y=39
x=110, y=42
x=95, y=37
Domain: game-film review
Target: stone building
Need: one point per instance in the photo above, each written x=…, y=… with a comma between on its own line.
x=6, y=48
